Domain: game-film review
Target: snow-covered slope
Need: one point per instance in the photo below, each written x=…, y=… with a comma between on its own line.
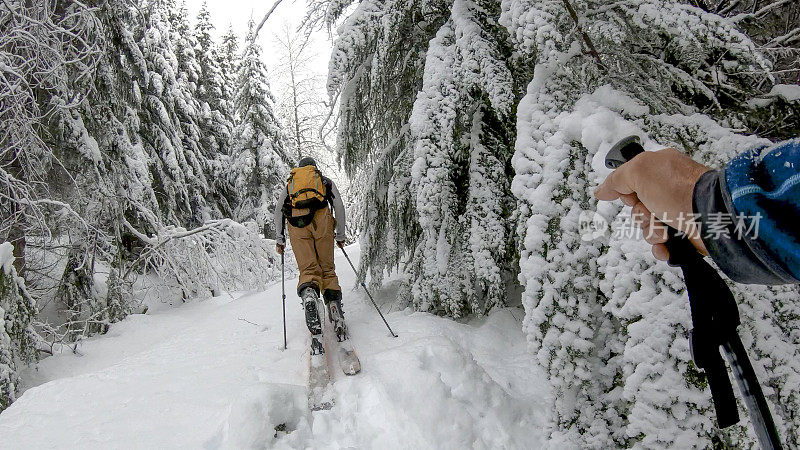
x=213, y=374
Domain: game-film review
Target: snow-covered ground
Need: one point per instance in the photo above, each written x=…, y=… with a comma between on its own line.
x=213, y=374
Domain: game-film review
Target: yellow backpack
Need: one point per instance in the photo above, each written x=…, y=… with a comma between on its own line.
x=306, y=188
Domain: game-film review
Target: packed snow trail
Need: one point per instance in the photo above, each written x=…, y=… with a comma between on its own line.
x=213, y=374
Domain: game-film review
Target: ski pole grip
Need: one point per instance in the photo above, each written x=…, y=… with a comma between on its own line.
x=623, y=151
x=680, y=248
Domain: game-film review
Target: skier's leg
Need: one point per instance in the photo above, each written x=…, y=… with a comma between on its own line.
x=305, y=253
x=313, y=322
x=333, y=301
x=323, y=235
x=308, y=287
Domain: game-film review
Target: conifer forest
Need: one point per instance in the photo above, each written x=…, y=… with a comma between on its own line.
x=145, y=146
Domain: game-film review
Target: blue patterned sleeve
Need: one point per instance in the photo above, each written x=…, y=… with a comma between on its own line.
x=759, y=193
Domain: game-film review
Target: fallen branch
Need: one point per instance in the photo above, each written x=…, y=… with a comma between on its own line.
x=182, y=234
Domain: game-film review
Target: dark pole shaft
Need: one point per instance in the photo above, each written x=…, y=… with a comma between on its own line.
x=283, y=293
x=368, y=294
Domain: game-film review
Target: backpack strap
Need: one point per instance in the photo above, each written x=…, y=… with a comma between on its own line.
x=328, y=191
x=303, y=191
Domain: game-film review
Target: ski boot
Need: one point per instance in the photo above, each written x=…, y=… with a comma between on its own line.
x=309, y=297
x=333, y=300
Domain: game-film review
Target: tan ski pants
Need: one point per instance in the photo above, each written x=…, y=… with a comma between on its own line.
x=313, y=249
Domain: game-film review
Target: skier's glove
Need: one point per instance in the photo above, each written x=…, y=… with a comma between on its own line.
x=340, y=244
x=279, y=248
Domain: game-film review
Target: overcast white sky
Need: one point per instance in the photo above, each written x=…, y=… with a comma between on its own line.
x=238, y=12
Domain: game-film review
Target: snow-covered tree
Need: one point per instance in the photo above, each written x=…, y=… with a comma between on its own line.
x=216, y=117
x=426, y=94
x=617, y=353
x=430, y=114
x=260, y=161
x=210, y=82
x=17, y=337
x=228, y=63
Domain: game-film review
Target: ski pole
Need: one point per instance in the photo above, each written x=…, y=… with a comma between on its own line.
x=283, y=293
x=368, y=294
x=715, y=318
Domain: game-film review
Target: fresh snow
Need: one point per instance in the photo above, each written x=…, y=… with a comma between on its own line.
x=213, y=374
x=6, y=256
x=790, y=92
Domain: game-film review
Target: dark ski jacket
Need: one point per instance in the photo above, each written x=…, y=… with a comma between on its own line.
x=750, y=214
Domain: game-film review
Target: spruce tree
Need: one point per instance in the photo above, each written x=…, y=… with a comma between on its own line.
x=260, y=162
x=168, y=117
x=228, y=63
x=435, y=130
x=215, y=118
x=17, y=336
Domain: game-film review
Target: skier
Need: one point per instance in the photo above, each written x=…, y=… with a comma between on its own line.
x=306, y=205
x=762, y=184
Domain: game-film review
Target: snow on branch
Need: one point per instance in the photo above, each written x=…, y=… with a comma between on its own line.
x=761, y=12
x=264, y=20
x=221, y=255
x=785, y=39
x=45, y=52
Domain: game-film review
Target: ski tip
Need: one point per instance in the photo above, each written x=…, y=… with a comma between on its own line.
x=352, y=368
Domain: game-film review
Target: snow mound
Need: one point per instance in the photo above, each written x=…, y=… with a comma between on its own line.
x=428, y=393
x=258, y=416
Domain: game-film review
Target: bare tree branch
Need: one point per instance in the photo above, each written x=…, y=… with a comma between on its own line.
x=264, y=20
x=760, y=12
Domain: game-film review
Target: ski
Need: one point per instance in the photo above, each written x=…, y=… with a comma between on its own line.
x=319, y=374
x=348, y=360
x=331, y=342
x=318, y=379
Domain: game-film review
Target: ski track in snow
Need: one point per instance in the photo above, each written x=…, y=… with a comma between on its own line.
x=213, y=374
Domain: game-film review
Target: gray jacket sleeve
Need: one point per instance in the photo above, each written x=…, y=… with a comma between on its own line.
x=280, y=237
x=339, y=214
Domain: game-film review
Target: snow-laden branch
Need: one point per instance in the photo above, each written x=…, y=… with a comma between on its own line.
x=46, y=51
x=764, y=10
x=220, y=255
x=786, y=39
x=264, y=20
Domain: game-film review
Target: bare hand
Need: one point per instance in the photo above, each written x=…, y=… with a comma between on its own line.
x=659, y=186
x=340, y=244
x=279, y=248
